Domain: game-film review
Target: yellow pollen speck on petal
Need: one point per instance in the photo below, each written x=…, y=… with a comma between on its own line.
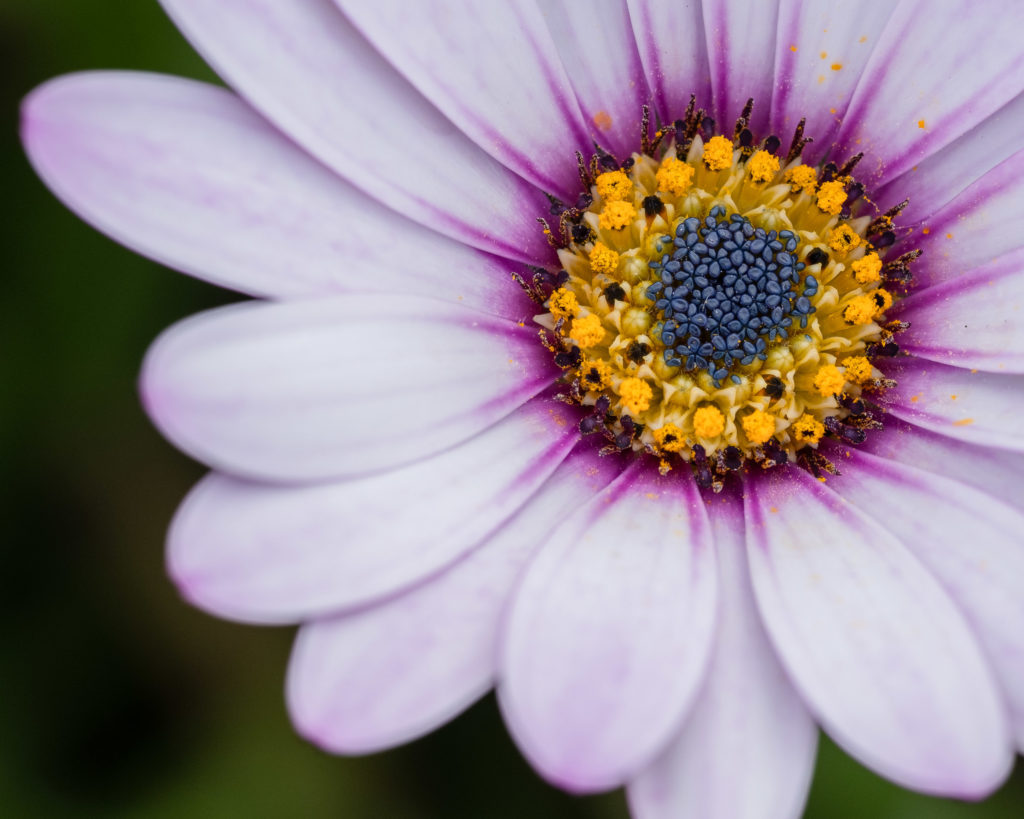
x=926, y=231
x=837, y=66
x=857, y=368
x=793, y=48
x=808, y=429
x=831, y=196
x=636, y=394
x=963, y=422
x=614, y=186
x=603, y=259
x=587, y=331
x=867, y=269
x=762, y=166
x=843, y=239
x=602, y=120
x=718, y=153
x=674, y=176
x=563, y=303
x=802, y=178
x=708, y=422
x=829, y=381
x=595, y=375
x=824, y=55
x=617, y=215
x=920, y=123
x=758, y=426
x=669, y=438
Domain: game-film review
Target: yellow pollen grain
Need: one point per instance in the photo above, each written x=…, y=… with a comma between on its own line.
x=563, y=303
x=708, y=422
x=669, y=438
x=829, y=381
x=674, y=176
x=718, y=153
x=595, y=374
x=857, y=368
x=762, y=166
x=926, y=231
x=614, y=186
x=603, y=259
x=843, y=239
x=868, y=269
x=587, y=331
x=793, y=48
x=636, y=394
x=602, y=120
x=963, y=422
x=802, y=178
x=831, y=196
x=758, y=426
x=837, y=66
x=824, y=55
x=808, y=429
x=617, y=215
x=920, y=123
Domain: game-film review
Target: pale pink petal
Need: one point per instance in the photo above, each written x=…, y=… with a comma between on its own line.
x=938, y=70
x=875, y=646
x=741, y=59
x=386, y=674
x=189, y=175
x=494, y=71
x=269, y=554
x=338, y=387
x=608, y=637
x=933, y=182
x=994, y=471
x=670, y=37
x=596, y=45
x=821, y=50
x=973, y=321
x=969, y=541
x=305, y=67
x=979, y=225
x=979, y=407
x=747, y=749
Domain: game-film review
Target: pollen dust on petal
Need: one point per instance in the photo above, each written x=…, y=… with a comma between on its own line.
x=920, y=123
x=963, y=422
x=603, y=120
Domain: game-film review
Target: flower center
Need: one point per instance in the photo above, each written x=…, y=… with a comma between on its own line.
x=719, y=303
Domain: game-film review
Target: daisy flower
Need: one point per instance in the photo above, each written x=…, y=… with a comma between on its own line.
x=582, y=372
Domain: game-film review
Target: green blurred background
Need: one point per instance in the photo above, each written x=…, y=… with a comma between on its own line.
x=117, y=699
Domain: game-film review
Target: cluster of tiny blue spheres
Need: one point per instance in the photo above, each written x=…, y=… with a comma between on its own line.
x=727, y=290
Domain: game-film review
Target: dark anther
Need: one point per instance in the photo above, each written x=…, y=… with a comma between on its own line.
x=623, y=440
x=653, y=205
x=896, y=326
x=854, y=405
x=796, y=147
x=584, y=201
x=732, y=458
x=557, y=205
x=879, y=299
x=771, y=145
x=816, y=463
x=885, y=240
x=581, y=166
x=775, y=452
x=628, y=164
x=853, y=193
x=851, y=435
x=645, y=131
x=701, y=468
x=569, y=359
x=561, y=277
x=746, y=138
x=774, y=387
x=636, y=351
x=588, y=424
x=627, y=425
x=581, y=233
x=817, y=256
x=614, y=293
x=887, y=349
x=744, y=119
x=851, y=163
x=828, y=173
x=602, y=404
x=592, y=376
x=708, y=125
x=884, y=221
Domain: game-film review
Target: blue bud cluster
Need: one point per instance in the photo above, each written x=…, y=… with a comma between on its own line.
x=728, y=290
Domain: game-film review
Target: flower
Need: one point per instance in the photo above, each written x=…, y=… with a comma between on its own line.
x=393, y=468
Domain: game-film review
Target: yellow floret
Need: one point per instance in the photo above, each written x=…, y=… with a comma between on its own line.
x=858, y=369
x=614, y=186
x=802, y=178
x=808, y=429
x=587, y=331
x=758, y=426
x=603, y=259
x=636, y=394
x=829, y=380
x=883, y=300
x=867, y=269
x=708, y=422
x=617, y=215
x=762, y=166
x=563, y=303
x=669, y=438
x=718, y=153
x=595, y=375
x=674, y=176
x=831, y=196
x=861, y=310
x=843, y=239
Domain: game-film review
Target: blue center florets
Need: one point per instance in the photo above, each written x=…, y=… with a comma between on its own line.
x=727, y=291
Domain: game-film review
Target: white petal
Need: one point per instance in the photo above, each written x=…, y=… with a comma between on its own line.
x=274, y=554
x=938, y=70
x=386, y=674
x=608, y=637
x=747, y=726
x=969, y=541
x=494, y=71
x=979, y=407
x=670, y=37
x=877, y=649
x=304, y=67
x=231, y=200
x=338, y=387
